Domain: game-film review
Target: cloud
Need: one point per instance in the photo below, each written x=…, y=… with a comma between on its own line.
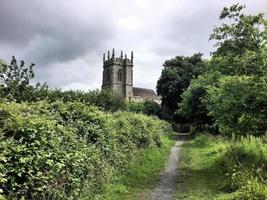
x=53, y=31
x=66, y=39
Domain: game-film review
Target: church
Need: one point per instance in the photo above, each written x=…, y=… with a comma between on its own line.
x=118, y=76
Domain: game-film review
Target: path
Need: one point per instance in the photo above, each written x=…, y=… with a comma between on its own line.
x=165, y=189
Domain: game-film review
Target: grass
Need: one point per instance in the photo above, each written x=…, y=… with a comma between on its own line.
x=200, y=175
x=223, y=169
x=141, y=176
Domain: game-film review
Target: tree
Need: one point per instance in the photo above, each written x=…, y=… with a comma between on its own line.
x=241, y=43
x=241, y=52
x=192, y=106
x=175, y=78
x=15, y=79
x=245, y=33
x=239, y=105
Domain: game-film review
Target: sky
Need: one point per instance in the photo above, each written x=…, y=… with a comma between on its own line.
x=66, y=39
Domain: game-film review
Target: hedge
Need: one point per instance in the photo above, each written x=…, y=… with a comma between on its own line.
x=58, y=150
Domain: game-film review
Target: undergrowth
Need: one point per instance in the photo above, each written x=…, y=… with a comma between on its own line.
x=223, y=169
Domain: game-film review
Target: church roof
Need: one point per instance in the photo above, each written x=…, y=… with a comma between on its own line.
x=146, y=94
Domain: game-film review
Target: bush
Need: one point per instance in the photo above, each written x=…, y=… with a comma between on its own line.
x=57, y=150
x=135, y=107
x=239, y=105
x=146, y=107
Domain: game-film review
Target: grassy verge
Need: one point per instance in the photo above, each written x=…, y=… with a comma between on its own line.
x=223, y=169
x=200, y=176
x=141, y=176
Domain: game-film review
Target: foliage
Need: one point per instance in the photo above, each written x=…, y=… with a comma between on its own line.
x=239, y=105
x=192, y=106
x=132, y=184
x=58, y=150
x=146, y=107
x=250, y=63
x=232, y=92
x=223, y=169
x=245, y=33
x=241, y=52
x=152, y=108
x=106, y=100
x=245, y=166
x=15, y=79
x=175, y=77
x=241, y=45
x=15, y=85
x=136, y=107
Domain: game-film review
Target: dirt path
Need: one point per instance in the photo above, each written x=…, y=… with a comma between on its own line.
x=166, y=187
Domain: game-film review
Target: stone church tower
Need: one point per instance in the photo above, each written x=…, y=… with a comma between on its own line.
x=118, y=74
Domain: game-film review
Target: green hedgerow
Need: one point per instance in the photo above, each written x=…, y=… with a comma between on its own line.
x=56, y=150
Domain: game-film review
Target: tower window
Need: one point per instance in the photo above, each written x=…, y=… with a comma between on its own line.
x=120, y=75
x=108, y=76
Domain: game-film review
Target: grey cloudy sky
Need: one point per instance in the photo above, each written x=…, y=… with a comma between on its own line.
x=66, y=38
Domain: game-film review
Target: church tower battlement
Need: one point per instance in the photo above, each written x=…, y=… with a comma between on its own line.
x=118, y=74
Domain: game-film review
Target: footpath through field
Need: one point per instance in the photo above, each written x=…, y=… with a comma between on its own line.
x=166, y=187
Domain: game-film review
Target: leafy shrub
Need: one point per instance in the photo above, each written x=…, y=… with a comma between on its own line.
x=135, y=107
x=239, y=105
x=146, y=107
x=57, y=150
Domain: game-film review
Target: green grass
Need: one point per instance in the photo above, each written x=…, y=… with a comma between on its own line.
x=219, y=168
x=141, y=176
x=200, y=175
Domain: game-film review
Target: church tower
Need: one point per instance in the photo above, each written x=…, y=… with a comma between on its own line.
x=118, y=74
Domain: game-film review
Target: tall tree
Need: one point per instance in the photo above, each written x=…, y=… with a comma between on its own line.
x=175, y=78
x=241, y=52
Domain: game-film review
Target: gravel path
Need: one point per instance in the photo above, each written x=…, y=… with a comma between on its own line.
x=166, y=187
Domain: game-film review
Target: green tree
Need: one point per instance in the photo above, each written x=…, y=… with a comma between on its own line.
x=245, y=33
x=175, y=77
x=192, y=106
x=239, y=104
x=241, y=43
x=241, y=51
x=15, y=79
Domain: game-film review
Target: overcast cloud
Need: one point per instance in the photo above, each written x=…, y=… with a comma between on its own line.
x=66, y=38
